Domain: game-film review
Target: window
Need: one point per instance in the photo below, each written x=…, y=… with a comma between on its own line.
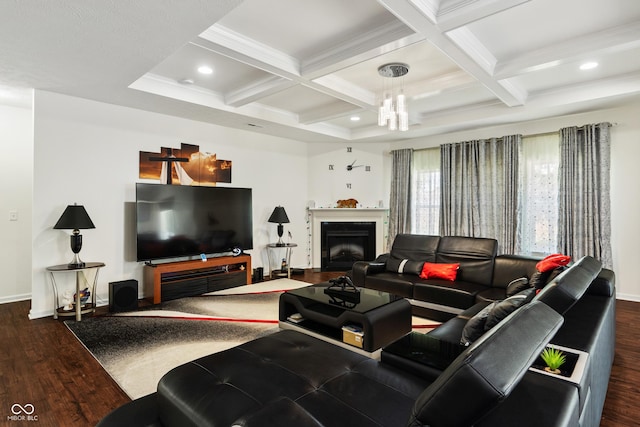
x=425, y=192
x=538, y=228
x=539, y=173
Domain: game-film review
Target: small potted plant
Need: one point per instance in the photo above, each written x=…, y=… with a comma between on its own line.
x=554, y=358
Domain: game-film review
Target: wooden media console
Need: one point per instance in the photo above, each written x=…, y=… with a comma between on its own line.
x=174, y=280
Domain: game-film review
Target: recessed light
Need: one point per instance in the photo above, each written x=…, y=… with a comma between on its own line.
x=205, y=69
x=588, y=66
x=355, y=118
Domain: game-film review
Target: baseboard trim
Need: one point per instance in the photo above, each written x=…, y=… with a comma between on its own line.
x=33, y=314
x=628, y=297
x=14, y=298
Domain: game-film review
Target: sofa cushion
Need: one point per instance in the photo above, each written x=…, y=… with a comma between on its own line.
x=432, y=270
x=540, y=279
x=405, y=266
x=503, y=308
x=475, y=255
x=517, y=285
x=393, y=283
x=458, y=294
x=490, y=295
x=451, y=330
x=510, y=267
x=415, y=247
x=492, y=314
x=474, y=328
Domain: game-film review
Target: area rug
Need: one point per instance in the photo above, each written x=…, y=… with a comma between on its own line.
x=137, y=348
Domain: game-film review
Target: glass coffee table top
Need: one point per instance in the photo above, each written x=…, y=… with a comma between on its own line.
x=366, y=299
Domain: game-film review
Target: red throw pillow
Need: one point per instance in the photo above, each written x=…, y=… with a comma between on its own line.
x=552, y=262
x=432, y=270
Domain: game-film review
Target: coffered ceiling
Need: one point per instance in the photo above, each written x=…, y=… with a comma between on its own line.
x=305, y=69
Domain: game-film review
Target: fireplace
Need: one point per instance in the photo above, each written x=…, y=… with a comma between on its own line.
x=318, y=216
x=343, y=243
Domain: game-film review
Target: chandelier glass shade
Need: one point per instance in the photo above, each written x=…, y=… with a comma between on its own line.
x=393, y=112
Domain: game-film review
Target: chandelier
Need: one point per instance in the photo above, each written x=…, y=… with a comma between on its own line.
x=393, y=111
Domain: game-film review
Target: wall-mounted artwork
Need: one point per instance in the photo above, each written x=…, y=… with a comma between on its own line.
x=184, y=166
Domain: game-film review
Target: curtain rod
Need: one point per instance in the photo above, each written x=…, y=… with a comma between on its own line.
x=611, y=124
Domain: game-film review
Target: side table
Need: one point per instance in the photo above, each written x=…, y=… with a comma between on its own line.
x=79, y=310
x=287, y=256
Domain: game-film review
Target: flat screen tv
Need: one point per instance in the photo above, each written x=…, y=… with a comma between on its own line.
x=174, y=221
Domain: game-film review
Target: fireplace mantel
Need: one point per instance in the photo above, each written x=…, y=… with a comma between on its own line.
x=320, y=215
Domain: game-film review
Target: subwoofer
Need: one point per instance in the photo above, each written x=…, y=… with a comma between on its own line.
x=123, y=296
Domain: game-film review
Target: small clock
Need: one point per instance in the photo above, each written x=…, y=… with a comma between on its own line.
x=353, y=165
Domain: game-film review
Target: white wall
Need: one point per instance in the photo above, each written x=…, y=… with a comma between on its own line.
x=326, y=186
x=625, y=176
x=87, y=153
x=16, y=172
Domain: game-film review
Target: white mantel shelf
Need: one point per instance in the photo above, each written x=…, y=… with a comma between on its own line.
x=320, y=215
x=347, y=209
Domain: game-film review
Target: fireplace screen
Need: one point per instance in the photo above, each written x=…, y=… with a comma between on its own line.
x=344, y=243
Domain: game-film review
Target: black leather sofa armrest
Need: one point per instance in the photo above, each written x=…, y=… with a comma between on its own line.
x=361, y=269
x=604, y=284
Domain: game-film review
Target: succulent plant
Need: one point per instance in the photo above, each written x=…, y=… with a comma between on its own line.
x=553, y=357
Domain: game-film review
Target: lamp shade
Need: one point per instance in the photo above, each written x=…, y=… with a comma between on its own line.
x=74, y=217
x=279, y=216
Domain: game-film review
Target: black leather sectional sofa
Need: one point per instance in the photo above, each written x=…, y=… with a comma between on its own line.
x=483, y=275
x=291, y=379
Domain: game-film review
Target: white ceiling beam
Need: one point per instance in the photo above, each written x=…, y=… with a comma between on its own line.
x=368, y=45
x=470, y=44
x=231, y=44
x=347, y=91
x=465, y=59
x=328, y=112
x=622, y=85
x=235, y=46
x=257, y=90
x=612, y=40
x=463, y=13
x=165, y=87
x=428, y=8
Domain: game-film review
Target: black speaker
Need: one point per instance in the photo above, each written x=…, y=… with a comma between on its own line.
x=123, y=296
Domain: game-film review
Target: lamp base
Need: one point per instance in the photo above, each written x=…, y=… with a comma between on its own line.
x=76, y=262
x=76, y=265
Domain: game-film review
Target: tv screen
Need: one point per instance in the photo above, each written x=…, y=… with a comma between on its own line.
x=175, y=221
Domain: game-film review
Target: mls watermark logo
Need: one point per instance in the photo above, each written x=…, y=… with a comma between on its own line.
x=24, y=412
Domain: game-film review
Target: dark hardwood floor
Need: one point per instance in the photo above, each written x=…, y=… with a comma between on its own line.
x=42, y=364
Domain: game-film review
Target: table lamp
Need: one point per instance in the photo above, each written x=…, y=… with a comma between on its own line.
x=279, y=216
x=75, y=218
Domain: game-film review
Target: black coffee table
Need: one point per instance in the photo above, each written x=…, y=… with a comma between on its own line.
x=382, y=317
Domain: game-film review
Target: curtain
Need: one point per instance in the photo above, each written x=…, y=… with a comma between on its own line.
x=399, y=212
x=480, y=186
x=584, y=201
x=425, y=192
